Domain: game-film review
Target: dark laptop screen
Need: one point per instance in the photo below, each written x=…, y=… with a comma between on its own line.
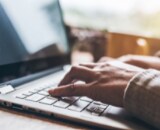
x=32, y=36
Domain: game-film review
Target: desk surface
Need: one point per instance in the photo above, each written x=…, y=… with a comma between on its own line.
x=13, y=120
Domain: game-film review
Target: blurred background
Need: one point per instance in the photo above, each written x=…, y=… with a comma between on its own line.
x=95, y=28
x=127, y=16
x=113, y=28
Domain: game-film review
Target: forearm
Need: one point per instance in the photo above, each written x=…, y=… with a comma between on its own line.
x=142, y=97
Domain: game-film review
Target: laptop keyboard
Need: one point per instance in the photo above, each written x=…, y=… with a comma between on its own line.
x=77, y=104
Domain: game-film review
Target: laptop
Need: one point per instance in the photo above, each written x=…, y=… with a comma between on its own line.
x=34, y=57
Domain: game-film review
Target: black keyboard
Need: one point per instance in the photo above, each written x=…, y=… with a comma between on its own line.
x=78, y=104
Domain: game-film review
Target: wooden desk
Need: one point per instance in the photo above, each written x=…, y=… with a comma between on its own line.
x=14, y=120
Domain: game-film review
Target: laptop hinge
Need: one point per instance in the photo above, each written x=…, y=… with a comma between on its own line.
x=4, y=89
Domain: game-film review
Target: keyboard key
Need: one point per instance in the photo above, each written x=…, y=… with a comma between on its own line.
x=61, y=104
x=69, y=100
x=43, y=93
x=35, y=97
x=78, y=106
x=92, y=107
x=96, y=108
x=49, y=88
x=53, y=98
x=98, y=103
x=39, y=89
x=103, y=106
x=48, y=101
x=86, y=99
x=33, y=91
x=75, y=108
x=48, y=85
x=44, y=87
x=97, y=111
x=21, y=96
x=27, y=93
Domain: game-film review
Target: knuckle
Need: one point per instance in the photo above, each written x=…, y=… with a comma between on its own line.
x=103, y=58
x=74, y=69
x=97, y=74
x=129, y=56
x=103, y=79
x=101, y=76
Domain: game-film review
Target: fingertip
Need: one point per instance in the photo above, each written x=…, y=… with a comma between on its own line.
x=52, y=92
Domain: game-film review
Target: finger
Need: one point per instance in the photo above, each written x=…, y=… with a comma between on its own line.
x=78, y=73
x=93, y=66
x=105, y=59
x=88, y=65
x=126, y=58
x=70, y=90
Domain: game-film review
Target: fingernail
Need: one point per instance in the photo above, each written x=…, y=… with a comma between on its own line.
x=51, y=92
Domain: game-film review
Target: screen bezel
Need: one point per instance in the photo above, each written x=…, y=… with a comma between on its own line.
x=24, y=68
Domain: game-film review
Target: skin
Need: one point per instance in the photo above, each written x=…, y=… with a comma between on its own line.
x=145, y=62
x=103, y=82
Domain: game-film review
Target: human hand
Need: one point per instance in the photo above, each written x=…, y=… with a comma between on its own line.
x=104, y=82
x=145, y=62
x=105, y=59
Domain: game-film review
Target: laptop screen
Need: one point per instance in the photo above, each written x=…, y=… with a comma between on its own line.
x=32, y=36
